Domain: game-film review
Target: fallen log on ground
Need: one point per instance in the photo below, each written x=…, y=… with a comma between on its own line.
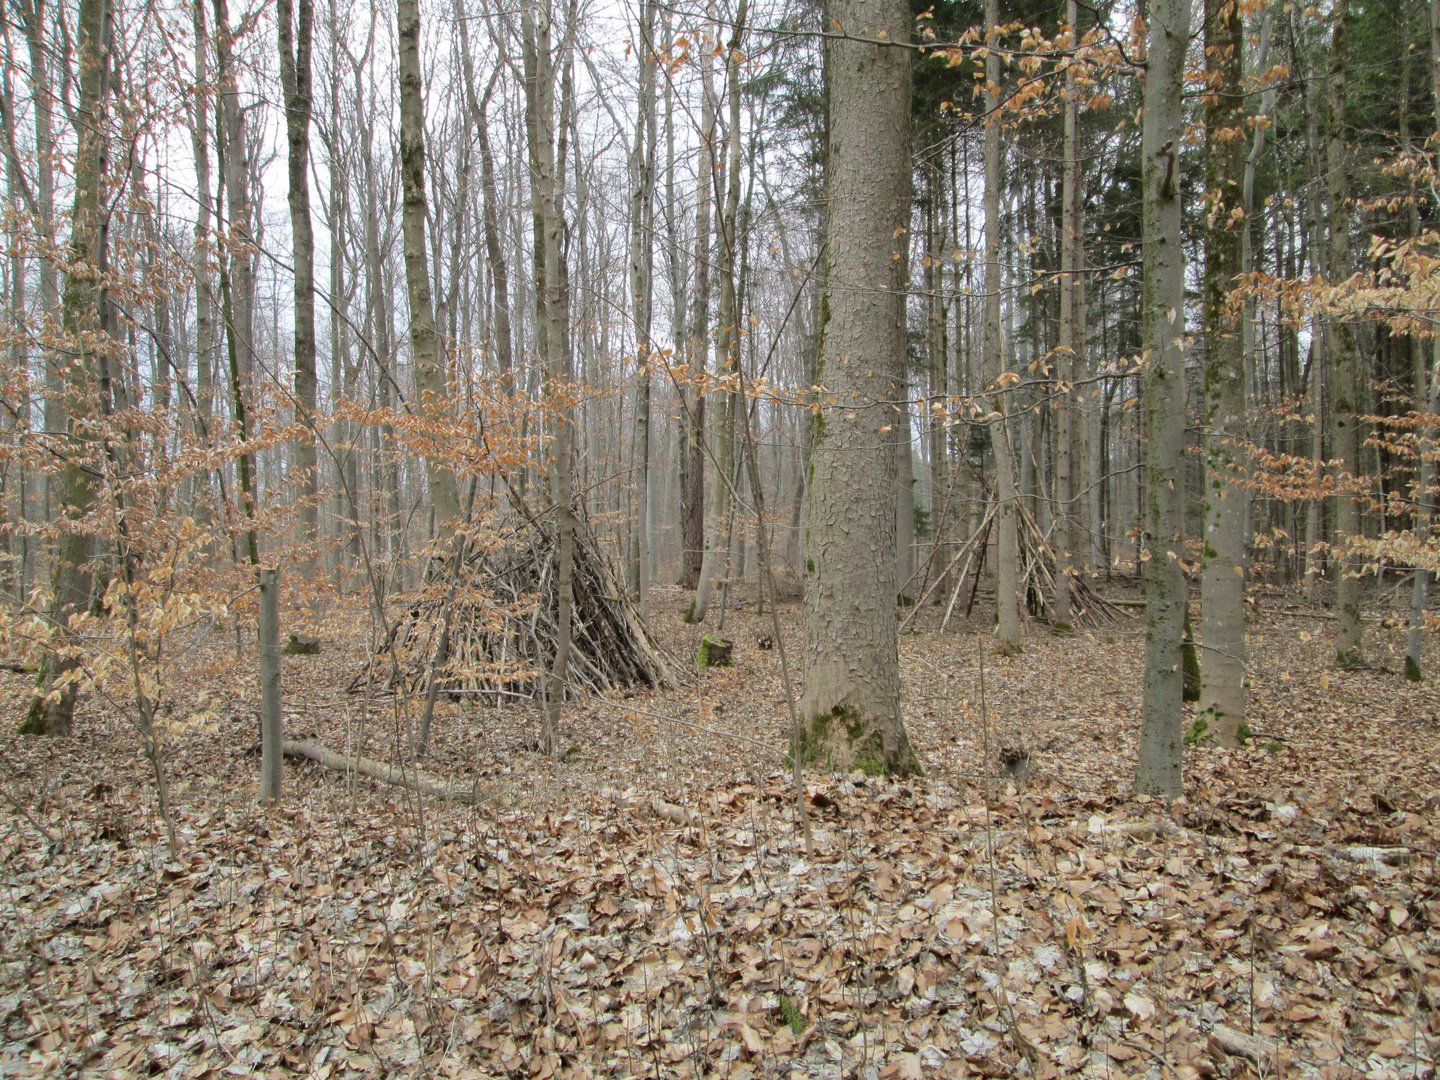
x=1261, y=1051
x=378, y=770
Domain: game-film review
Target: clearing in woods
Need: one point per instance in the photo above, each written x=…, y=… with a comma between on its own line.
x=643, y=905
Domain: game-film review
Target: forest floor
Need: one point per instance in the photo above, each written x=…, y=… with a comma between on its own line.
x=644, y=904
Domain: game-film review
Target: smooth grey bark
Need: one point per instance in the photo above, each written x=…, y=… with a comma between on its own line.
x=1222, y=582
x=1007, y=551
x=1072, y=337
x=1345, y=367
x=721, y=450
x=430, y=379
x=36, y=20
x=205, y=358
x=295, y=36
x=642, y=277
x=693, y=488
x=850, y=708
x=1158, y=770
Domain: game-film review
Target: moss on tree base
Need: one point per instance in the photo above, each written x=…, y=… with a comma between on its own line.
x=843, y=739
x=1349, y=660
x=1412, y=670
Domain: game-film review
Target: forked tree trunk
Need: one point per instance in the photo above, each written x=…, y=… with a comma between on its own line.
x=1007, y=554
x=1222, y=584
x=850, y=708
x=1158, y=770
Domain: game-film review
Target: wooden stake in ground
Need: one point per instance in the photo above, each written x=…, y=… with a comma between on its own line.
x=271, y=733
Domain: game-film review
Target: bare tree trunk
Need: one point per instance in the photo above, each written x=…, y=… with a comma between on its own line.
x=1072, y=336
x=1222, y=585
x=1345, y=400
x=36, y=21
x=1007, y=552
x=850, y=708
x=295, y=48
x=642, y=276
x=1158, y=771
x=1427, y=396
x=430, y=381
x=72, y=577
x=545, y=183
x=716, y=561
x=205, y=358
x=693, y=489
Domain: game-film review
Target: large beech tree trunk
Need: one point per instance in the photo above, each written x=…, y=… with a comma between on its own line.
x=1222, y=584
x=1158, y=771
x=850, y=708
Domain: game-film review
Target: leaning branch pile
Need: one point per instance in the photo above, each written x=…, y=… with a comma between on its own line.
x=1038, y=567
x=504, y=628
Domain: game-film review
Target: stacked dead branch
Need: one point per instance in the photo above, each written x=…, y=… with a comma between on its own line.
x=1038, y=568
x=503, y=627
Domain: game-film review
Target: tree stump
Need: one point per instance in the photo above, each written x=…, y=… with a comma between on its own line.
x=302, y=645
x=715, y=652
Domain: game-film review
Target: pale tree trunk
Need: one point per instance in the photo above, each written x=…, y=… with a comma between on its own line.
x=850, y=708
x=722, y=423
x=1222, y=583
x=1427, y=396
x=1071, y=335
x=490, y=216
x=1158, y=770
x=642, y=276
x=430, y=380
x=545, y=183
x=693, y=488
x=235, y=172
x=72, y=575
x=37, y=20
x=1345, y=366
x=237, y=269
x=942, y=510
x=295, y=35
x=200, y=263
x=1319, y=363
x=1007, y=553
